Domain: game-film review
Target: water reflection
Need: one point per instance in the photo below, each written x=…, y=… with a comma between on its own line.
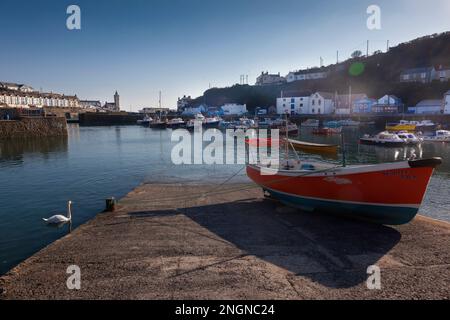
x=12, y=152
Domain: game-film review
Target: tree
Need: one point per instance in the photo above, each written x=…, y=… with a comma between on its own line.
x=356, y=54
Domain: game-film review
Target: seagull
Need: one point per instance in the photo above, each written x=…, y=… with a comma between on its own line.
x=58, y=219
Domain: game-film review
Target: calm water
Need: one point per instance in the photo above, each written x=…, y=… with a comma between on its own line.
x=38, y=176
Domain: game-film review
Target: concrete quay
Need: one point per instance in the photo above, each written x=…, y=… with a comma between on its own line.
x=173, y=241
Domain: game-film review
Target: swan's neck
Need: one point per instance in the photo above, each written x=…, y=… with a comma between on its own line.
x=69, y=211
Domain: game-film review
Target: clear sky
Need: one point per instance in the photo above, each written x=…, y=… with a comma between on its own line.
x=139, y=47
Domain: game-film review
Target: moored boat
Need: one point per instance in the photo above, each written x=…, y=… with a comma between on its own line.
x=385, y=138
x=212, y=122
x=145, y=122
x=409, y=138
x=315, y=148
x=327, y=131
x=311, y=123
x=175, y=123
x=389, y=193
x=292, y=129
x=158, y=124
x=403, y=125
x=438, y=136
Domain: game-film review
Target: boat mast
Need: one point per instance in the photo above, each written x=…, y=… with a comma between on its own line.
x=344, y=156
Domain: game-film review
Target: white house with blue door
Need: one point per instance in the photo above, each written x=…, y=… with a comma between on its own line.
x=293, y=105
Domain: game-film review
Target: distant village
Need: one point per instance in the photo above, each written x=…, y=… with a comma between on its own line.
x=321, y=102
x=13, y=95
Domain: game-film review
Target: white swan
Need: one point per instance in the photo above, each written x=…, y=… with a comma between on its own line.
x=57, y=219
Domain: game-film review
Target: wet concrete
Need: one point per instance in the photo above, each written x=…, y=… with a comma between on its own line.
x=201, y=242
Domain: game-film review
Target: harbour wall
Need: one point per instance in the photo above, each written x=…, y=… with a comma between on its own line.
x=108, y=119
x=33, y=127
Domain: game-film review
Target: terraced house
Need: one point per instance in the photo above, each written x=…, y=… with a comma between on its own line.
x=14, y=95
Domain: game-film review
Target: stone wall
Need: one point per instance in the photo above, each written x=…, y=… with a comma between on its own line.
x=33, y=127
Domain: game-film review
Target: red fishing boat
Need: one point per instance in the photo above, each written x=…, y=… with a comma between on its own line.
x=256, y=142
x=389, y=193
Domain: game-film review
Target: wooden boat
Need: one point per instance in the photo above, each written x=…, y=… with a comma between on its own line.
x=389, y=193
x=327, y=131
x=403, y=125
x=315, y=148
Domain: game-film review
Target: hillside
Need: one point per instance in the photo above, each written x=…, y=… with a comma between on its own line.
x=380, y=75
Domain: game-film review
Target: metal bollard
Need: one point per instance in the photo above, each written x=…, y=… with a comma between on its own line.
x=110, y=204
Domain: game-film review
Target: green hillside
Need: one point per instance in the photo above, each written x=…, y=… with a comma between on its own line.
x=375, y=75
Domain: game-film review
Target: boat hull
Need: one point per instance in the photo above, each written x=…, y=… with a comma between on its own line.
x=391, y=144
x=401, y=127
x=386, y=193
x=314, y=148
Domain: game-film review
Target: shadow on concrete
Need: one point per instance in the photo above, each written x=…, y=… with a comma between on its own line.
x=330, y=250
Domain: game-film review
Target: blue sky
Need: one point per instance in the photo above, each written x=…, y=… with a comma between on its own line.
x=139, y=47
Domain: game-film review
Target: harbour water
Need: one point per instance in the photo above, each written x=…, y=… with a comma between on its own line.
x=38, y=176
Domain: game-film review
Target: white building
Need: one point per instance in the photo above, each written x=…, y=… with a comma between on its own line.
x=447, y=102
x=234, y=109
x=293, y=105
x=343, y=103
x=427, y=107
x=184, y=103
x=306, y=75
x=91, y=104
x=266, y=79
x=321, y=103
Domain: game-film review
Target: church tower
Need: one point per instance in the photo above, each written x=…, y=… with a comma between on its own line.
x=117, y=101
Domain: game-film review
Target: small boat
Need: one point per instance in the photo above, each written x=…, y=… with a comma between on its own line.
x=175, y=123
x=197, y=121
x=265, y=124
x=385, y=138
x=292, y=129
x=409, y=138
x=256, y=142
x=438, y=136
x=403, y=125
x=332, y=124
x=212, y=122
x=158, y=124
x=145, y=122
x=311, y=123
x=388, y=193
x=315, y=148
x=327, y=131
x=425, y=125
x=349, y=123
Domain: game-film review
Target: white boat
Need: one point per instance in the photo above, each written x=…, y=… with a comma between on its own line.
x=211, y=122
x=349, y=123
x=409, y=138
x=198, y=120
x=145, y=122
x=425, y=125
x=439, y=136
x=175, y=123
x=383, y=139
x=311, y=123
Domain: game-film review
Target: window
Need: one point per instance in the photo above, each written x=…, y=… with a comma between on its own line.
x=292, y=106
x=320, y=102
x=292, y=100
x=314, y=102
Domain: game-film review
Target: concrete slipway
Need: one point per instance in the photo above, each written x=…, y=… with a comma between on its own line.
x=169, y=241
